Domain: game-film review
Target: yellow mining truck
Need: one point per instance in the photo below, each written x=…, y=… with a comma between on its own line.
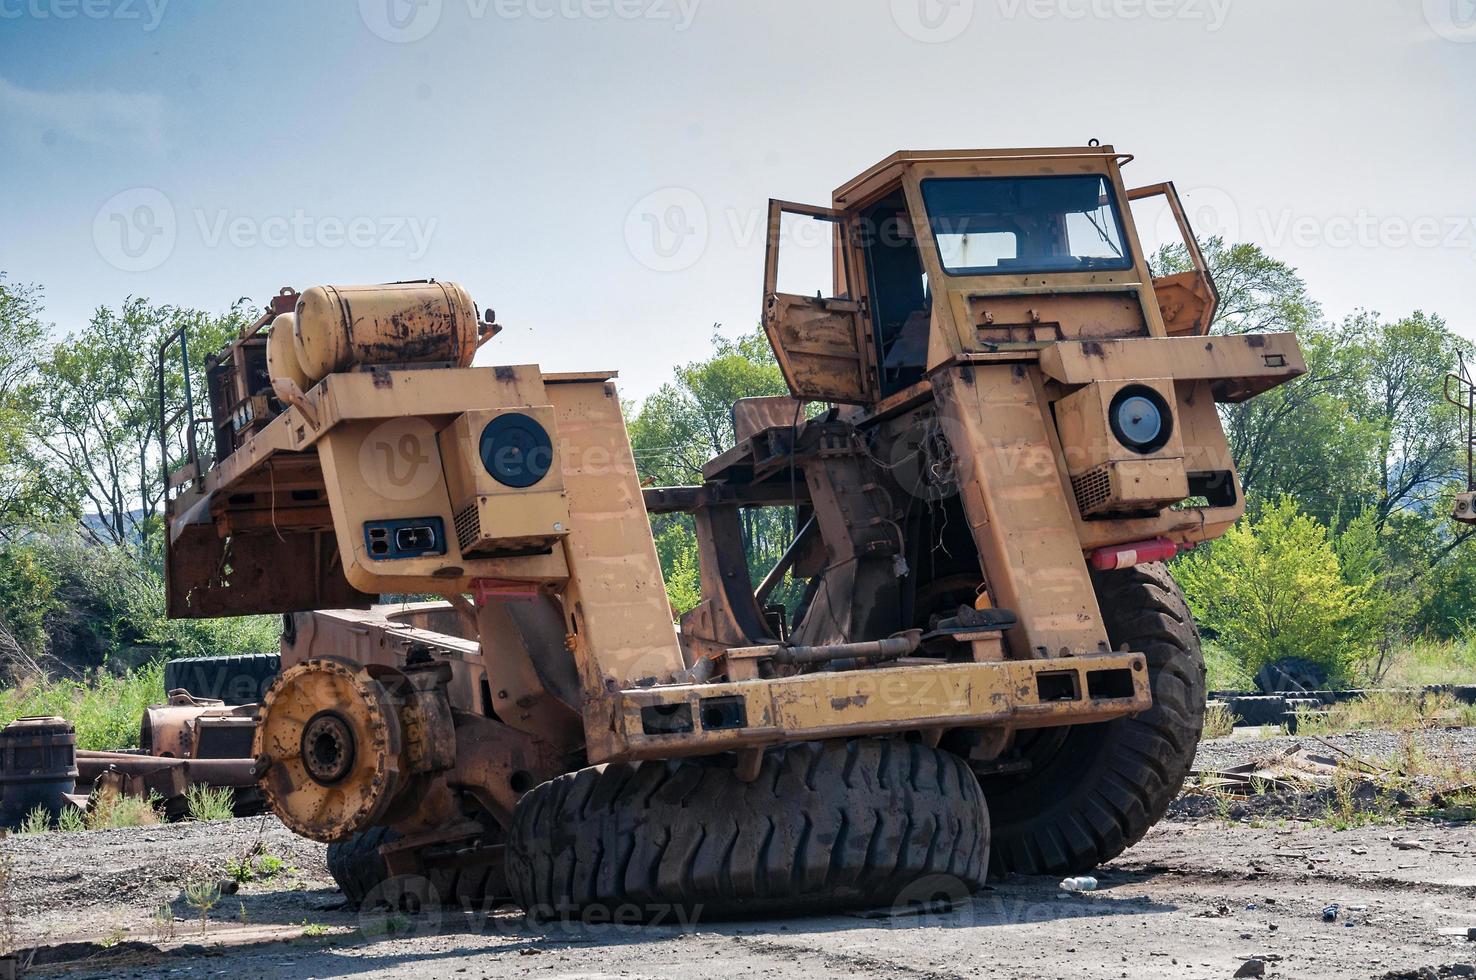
x=1000, y=425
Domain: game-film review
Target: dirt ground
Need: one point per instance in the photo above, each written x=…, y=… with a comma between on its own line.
x=1199, y=897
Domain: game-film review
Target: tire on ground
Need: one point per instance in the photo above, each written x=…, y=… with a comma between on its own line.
x=1291, y=675
x=234, y=680
x=826, y=825
x=1094, y=790
x=362, y=875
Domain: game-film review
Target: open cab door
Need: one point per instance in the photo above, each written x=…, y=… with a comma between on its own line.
x=1187, y=300
x=822, y=344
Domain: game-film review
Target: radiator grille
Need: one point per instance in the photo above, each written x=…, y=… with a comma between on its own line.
x=468, y=527
x=1093, y=489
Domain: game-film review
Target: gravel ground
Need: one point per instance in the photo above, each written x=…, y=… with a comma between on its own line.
x=1195, y=899
x=1452, y=745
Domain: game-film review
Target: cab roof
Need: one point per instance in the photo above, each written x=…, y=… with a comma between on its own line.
x=902, y=157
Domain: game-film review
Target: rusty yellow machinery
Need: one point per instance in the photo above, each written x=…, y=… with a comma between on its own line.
x=1001, y=424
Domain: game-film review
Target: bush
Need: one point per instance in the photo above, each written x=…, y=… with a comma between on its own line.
x=91, y=605
x=209, y=802
x=106, y=709
x=1274, y=588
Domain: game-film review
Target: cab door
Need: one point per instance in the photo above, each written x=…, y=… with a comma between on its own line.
x=822, y=342
x=1188, y=300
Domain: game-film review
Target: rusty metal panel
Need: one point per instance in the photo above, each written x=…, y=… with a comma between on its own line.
x=861, y=702
x=1239, y=365
x=208, y=576
x=620, y=622
x=1013, y=493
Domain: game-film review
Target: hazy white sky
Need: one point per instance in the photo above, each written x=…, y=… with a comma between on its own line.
x=596, y=169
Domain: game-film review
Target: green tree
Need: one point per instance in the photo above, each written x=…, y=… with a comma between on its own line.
x=685, y=423
x=22, y=337
x=97, y=416
x=1305, y=438
x=1274, y=587
x=1419, y=446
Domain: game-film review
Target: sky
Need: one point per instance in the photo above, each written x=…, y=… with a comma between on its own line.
x=597, y=171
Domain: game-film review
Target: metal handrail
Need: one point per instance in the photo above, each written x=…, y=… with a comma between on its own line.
x=188, y=411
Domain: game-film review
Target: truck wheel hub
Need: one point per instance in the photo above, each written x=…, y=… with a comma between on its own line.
x=327, y=748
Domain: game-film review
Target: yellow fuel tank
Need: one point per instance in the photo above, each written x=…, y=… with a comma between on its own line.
x=341, y=327
x=282, y=353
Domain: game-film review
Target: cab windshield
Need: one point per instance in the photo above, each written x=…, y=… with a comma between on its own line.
x=989, y=225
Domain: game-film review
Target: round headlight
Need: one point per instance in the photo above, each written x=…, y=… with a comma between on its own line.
x=516, y=450
x=1141, y=419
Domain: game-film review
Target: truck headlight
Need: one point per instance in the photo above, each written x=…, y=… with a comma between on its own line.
x=1141, y=419
x=516, y=450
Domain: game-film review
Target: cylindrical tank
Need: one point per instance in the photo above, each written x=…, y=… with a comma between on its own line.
x=282, y=352
x=38, y=767
x=340, y=327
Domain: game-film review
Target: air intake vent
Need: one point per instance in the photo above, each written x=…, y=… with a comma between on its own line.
x=1093, y=490
x=468, y=527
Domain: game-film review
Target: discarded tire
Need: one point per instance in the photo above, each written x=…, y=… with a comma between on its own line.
x=1258, y=709
x=478, y=883
x=234, y=680
x=826, y=825
x=1291, y=675
x=1092, y=791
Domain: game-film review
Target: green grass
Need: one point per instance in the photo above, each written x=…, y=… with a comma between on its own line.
x=113, y=811
x=1396, y=711
x=258, y=864
x=1224, y=670
x=38, y=821
x=1425, y=662
x=1218, y=720
x=106, y=709
x=209, y=802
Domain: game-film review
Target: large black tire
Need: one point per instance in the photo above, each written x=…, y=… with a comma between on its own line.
x=363, y=877
x=825, y=826
x=234, y=680
x=356, y=866
x=1291, y=675
x=1094, y=790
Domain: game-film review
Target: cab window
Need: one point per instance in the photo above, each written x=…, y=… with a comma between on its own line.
x=1024, y=225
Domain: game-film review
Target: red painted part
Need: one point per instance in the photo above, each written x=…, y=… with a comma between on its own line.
x=1133, y=553
x=485, y=590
